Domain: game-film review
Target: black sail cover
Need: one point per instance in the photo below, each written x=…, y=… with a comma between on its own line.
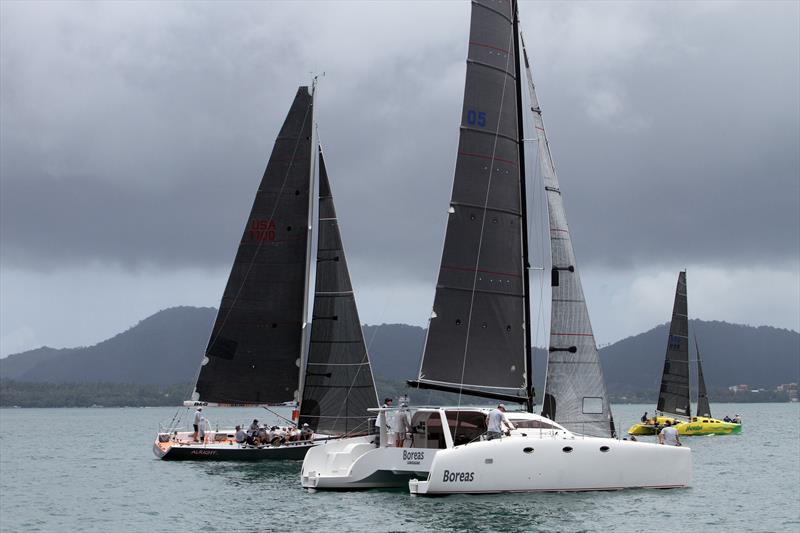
x=339, y=387
x=575, y=392
x=673, y=398
x=703, y=407
x=476, y=336
x=254, y=351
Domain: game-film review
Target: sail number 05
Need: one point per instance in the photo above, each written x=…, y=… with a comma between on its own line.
x=476, y=118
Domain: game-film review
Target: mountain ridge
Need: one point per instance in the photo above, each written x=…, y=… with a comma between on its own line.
x=165, y=348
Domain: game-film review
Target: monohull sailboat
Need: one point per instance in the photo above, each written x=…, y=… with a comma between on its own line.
x=260, y=352
x=674, y=403
x=478, y=340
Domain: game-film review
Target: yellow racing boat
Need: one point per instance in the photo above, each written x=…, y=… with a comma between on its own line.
x=673, y=398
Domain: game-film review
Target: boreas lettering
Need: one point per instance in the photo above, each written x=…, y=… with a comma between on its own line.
x=464, y=477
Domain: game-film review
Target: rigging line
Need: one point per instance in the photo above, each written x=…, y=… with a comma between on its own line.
x=272, y=215
x=483, y=219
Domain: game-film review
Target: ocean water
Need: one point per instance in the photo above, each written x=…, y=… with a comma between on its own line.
x=93, y=470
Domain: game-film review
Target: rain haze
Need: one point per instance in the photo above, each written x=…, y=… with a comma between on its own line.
x=133, y=137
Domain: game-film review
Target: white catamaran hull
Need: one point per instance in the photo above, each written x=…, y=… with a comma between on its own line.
x=357, y=463
x=525, y=464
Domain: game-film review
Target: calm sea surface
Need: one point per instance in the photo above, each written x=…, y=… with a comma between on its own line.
x=93, y=470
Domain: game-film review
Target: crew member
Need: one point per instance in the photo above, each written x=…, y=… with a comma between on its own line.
x=401, y=425
x=198, y=415
x=382, y=421
x=496, y=420
x=306, y=433
x=253, y=429
x=644, y=418
x=241, y=435
x=669, y=435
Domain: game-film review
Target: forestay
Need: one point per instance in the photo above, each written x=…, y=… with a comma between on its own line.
x=339, y=387
x=476, y=337
x=575, y=391
x=673, y=397
x=256, y=343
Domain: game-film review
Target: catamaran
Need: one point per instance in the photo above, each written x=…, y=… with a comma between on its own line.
x=260, y=352
x=479, y=340
x=673, y=397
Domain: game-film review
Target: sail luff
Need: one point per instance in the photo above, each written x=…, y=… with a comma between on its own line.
x=575, y=394
x=703, y=406
x=255, y=346
x=339, y=386
x=673, y=397
x=476, y=333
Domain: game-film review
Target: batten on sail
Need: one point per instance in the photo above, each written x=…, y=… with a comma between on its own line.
x=476, y=340
x=575, y=392
x=256, y=340
x=339, y=386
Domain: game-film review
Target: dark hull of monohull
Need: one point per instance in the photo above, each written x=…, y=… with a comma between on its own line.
x=295, y=452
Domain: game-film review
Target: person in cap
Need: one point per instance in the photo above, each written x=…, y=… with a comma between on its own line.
x=669, y=435
x=198, y=416
x=496, y=419
x=306, y=433
x=253, y=429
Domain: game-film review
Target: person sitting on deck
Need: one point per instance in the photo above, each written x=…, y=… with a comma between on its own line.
x=737, y=419
x=644, y=418
x=726, y=419
x=276, y=436
x=496, y=420
x=242, y=437
x=306, y=433
x=253, y=429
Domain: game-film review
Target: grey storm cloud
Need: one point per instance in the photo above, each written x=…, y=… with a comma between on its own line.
x=136, y=134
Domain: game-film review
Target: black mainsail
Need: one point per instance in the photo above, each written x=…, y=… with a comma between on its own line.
x=477, y=342
x=575, y=391
x=673, y=397
x=703, y=407
x=254, y=353
x=338, y=387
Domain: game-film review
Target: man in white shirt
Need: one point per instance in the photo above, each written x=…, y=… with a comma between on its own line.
x=241, y=435
x=496, y=420
x=383, y=421
x=198, y=416
x=669, y=435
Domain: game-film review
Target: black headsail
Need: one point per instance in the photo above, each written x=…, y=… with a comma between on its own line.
x=673, y=397
x=575, y=391
x=338, y=387
x=256, y=344
x=476, y=341
x=703, y=407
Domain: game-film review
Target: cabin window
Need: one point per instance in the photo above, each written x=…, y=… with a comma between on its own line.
x=567, y=449
x=532, y=424
x=604, y=448
x=527, y=450
x=465, y=426
x=427, y=431
x=592, y=405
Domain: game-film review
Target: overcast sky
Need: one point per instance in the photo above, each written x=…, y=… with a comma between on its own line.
x=133, y=137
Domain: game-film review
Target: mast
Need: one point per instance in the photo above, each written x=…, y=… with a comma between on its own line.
x=306, y=334
x=524, y=209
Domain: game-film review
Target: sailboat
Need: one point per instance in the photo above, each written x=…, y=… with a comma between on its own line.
x=260, y=352
x=479, y=342
x=674, y=403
